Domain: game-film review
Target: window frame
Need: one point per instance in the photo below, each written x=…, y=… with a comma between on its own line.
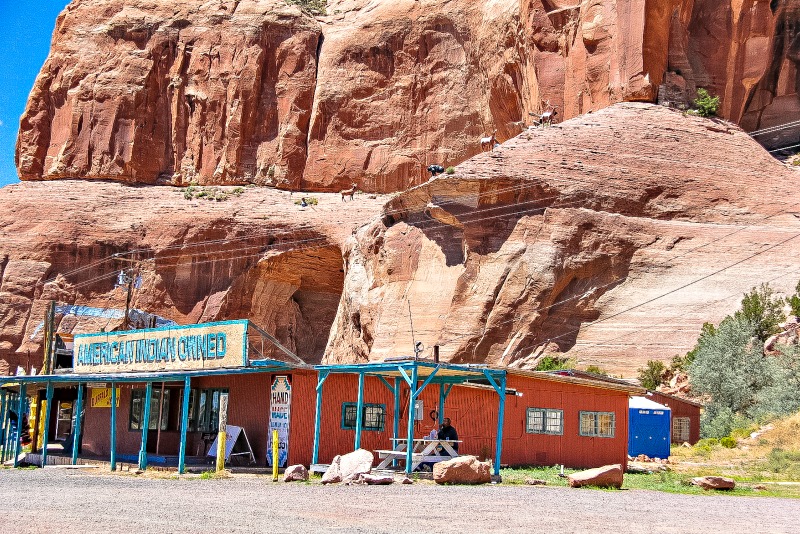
x=210, y=423
x=683, y=421
x=545, y=420
x=353, y=407
x=596, y=432
x=139, y=394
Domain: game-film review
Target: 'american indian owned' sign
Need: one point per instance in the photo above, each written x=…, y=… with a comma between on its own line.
x=170, y=348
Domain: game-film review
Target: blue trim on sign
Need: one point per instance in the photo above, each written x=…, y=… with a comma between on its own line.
x=164, y=328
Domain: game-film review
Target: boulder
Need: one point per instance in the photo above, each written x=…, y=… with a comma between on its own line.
x=295, y=473
x=462, y=470
x=373, y=480
x=347, y=467
x=608, y=476
x=406, y=480
x=333, y=474
x=714, y=483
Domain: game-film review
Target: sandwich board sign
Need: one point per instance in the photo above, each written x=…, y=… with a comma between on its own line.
x=280, y=408
x=233, y=436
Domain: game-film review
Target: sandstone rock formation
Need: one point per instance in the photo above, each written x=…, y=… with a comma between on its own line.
x=462, y=470
x=610, y=238
x=714, y=483
x=256, y=256
x=256, y=91
x=608, y=476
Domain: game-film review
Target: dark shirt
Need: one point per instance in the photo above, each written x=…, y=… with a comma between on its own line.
x=450, y=433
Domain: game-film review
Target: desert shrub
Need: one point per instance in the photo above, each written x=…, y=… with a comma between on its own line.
x=311, y=201
x=651, y=375
x=782, y=396
x=237, y=191
x=728, y=442
x=450, y=170
x=706, y=105
x=554, y=363
x=315, y=7
x=596, y=370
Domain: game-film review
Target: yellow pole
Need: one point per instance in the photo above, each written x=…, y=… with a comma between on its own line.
x=223, y=432
x=274, y=455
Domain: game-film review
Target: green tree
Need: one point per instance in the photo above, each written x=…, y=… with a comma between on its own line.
x=652, y=374
x=794, y=301
x=730, y=368
x=763, y=310
x=315, y=7
x=706, y=105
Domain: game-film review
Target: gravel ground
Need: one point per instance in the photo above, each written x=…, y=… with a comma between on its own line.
x=53, y=500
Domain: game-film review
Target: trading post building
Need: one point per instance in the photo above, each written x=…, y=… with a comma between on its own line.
x=153, y=397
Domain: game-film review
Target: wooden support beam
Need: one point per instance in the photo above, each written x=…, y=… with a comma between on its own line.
x=76, y=438
x=113, y=458
x=184, y=423
x=46, y=408
x=145, y=423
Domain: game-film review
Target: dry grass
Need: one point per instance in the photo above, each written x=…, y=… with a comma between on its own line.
x=771, y=455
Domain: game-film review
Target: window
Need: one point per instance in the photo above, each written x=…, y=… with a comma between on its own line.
x=597, y=424
x=137, y=409
x=545, y=421
x=373, y=417
x=680, y=429
x=204, y=409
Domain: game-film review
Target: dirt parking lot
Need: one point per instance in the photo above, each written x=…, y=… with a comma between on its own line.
x=58, y=500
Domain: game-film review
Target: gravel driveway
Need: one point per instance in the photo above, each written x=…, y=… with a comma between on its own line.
x=57, y=500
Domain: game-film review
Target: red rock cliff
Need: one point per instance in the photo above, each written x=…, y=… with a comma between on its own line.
x=255, y=91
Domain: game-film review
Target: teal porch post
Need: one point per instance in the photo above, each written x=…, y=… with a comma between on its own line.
x=2, y=422
x=20, y=410
x=46, y=432
x=396, y=425
x=145, y=422
x=76, y=430
x=412, y=398
x=187, y=384
x=113, y=458
x=500, y=420
x=318, y=416
x=359, y=410
x=441, y=403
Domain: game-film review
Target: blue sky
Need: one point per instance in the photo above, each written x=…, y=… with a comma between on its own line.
x=25, y=31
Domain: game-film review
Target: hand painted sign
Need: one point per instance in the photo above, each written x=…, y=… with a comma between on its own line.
x=101, y=397
x=280, y=408
x=169, y=348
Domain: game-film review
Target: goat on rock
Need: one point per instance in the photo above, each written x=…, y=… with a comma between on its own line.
x=489, y=142
x=349, y=192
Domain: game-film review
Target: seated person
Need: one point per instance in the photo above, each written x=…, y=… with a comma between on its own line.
x=448, y=432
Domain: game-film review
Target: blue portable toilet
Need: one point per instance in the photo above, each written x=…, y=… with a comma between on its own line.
x=648, y=428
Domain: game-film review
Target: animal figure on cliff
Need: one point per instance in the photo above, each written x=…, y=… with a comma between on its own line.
x=489, y=142
x=435, y=169
x=548, y=115
x=349, y=192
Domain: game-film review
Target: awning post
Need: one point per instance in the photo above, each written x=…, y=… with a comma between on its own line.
x=441, y=403
x=76, y=438
x=359, y=410
x=412, y=401
x=318, y=416
x=20, y=408
x=187, y=383
x=113, y=458
x=145, y=422
x=2, y=421
x=500, y=421
x=46, y=429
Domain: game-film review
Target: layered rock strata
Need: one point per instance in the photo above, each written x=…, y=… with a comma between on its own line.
x=610, y=238
x=256, y=91
x=257, y=255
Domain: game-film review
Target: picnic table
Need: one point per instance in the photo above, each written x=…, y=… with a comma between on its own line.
x=425, y=450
